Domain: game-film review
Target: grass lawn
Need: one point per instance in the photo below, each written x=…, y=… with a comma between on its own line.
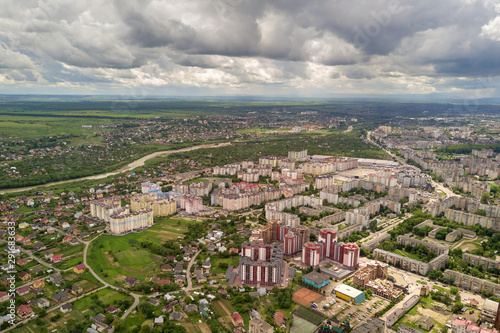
x=107, y=296
x=444, y=290
x=69, y=263
x=131, y=260
x=134, y=320
x=421, y=282
x=69, y=250
x=410, y=255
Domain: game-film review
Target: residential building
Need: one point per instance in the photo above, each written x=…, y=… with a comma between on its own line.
x=237, y=320
x=261, y=264
x=425, y=323
x=257, y=325
x=407, y=329
x=469, y=282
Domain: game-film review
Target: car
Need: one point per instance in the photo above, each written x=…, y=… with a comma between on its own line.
x=314, y=306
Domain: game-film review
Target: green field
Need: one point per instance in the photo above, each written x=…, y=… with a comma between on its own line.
x=107, y=296
x=131, y=258
x=409, y=255
x=309, y=315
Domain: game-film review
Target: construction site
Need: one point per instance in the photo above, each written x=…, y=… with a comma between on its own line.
x=374, y=276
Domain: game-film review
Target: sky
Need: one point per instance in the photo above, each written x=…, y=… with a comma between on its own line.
x=300, y=48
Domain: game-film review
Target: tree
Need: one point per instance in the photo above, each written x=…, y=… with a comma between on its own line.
x=454, y=290
x=485, y=198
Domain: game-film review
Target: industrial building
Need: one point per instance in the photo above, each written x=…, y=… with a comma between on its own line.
x=349, y=294
x=316, y=279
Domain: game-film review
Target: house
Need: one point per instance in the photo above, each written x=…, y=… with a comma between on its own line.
x=67, y=239
x=169, y=297
x=26, y=241
x=180, y=280
x=206, y=264
x=163, y=282
x=159, y=321
x=24, y=311
x=65, y=308
x=279, y=318
x=39, y=283
x=56, y=279
x=111, y=309
x=175, y=315
x=178, y=268
x=426, y=323
x=24, y=276
x=79, y=269
x=201, y=279
x=233, y=250
x=61, y=296
x=48, y=255
x=75, y=290
x=190, y=307
x=473, y=303
x=168, y=308
x=257, y=325
x=4, y=297
x=21, y=291
x=130, y=280
x=56, y=258
x=237, y=319
x=39, y=247
x=43, y=303
x=166, y=268
x=154, y=301
x=21, y=262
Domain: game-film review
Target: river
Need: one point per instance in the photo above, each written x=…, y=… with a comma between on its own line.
x=128, y=167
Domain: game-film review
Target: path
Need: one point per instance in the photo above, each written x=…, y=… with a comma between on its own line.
x=140, y=162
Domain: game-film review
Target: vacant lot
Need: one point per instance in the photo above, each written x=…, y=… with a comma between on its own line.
x=116, y=257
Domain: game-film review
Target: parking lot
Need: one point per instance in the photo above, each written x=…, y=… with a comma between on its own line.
x=355, y=314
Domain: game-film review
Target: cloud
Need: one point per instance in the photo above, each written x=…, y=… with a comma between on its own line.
x=234, y=46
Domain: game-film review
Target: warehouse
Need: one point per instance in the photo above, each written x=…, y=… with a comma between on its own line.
x=349, y=294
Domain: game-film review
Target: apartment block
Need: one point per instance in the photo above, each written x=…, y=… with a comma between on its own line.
x=480, y=261
x=411, y=265
x=123, y=220
x=161, y=206
x=261, y=264
x=431, y=246
x=472, y=283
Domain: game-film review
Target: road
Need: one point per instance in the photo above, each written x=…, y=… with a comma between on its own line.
x=446, y=191
x=135, y=296
x=139, y=162
x=188, y=274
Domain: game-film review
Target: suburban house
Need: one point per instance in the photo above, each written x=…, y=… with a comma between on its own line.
x=56, y=279
x=79, y=269
x=163, y=282
x=39, y=283
x=24, y=311
x=67, y=239
x=180, y=280
x=43, y=303
x=111, y=309
x=175, y=316
x=61, y=296
x=56, y=258
x=154, y=301
x=21, y=291
x=130, y=280
x=237, y=319
x=75, y=290
x=166, y=268
x=4, y=297
x=65, y=308
x=24, y=276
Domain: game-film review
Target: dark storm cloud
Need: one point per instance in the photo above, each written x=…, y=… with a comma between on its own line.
x=243, y=43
